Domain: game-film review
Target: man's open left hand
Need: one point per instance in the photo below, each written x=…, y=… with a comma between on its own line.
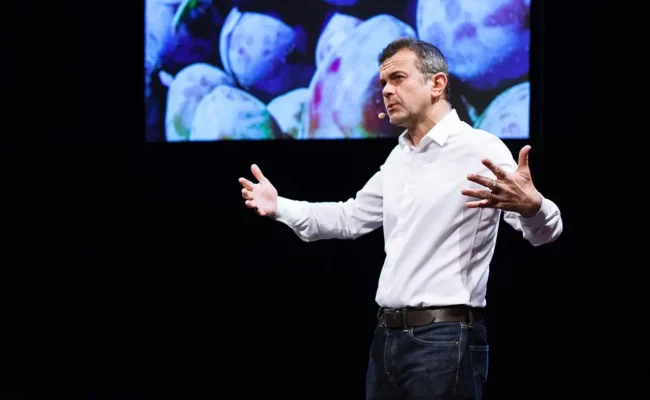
x=512, y=191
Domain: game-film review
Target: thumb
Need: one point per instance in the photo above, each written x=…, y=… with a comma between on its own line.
x=257, y=173
x=523, y=157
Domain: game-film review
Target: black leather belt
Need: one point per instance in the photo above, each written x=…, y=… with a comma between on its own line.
x=406, y=317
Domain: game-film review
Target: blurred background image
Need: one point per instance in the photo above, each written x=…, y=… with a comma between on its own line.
x=307, y=69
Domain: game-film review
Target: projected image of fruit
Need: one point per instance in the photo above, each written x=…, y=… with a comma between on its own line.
x=486, y=42
x=305, y=70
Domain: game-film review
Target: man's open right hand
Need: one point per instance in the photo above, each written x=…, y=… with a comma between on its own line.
x=262, y=196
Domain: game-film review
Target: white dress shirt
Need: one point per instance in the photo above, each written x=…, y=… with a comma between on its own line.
x=438, y=251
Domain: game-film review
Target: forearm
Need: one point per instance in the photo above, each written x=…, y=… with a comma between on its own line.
x=325, y=220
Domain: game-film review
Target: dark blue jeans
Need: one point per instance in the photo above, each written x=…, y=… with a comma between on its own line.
x=443, y=360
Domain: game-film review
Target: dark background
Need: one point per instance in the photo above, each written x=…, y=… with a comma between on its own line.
x=135, y=270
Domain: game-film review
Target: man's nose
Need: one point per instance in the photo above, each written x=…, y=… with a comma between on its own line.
x=387, y=91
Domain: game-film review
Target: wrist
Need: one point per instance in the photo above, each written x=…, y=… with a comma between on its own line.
x=534, y=206
x=281, y=205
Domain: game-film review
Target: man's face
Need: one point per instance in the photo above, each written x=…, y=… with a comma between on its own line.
x=406, y=95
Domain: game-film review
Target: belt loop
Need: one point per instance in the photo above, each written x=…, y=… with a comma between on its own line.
x=471, y=317
x=404, y=320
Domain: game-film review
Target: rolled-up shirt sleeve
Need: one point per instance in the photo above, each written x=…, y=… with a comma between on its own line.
x=351, y=219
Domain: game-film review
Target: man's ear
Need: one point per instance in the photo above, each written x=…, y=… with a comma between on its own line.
x=439, y=81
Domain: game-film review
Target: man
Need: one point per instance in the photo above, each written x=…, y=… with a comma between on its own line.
x=439, y=197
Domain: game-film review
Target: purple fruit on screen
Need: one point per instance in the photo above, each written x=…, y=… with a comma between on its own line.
x=195, y=36
x=338, y=28
x=185, y=92
x=486, y=42
x=345, y=96
x=157, y=31
x=288, y=109
x=228, y=113
x=255, y=49
x=508, y=115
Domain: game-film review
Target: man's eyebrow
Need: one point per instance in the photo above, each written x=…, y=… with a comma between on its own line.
x=392, y=74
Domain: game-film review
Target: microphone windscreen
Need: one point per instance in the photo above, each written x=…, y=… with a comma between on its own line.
x=381, y=115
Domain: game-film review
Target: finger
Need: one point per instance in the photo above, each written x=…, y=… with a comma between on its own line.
x=523, y=157
x=246, y=183
x=479, y=194
x=478, y=204
x=261, y=212
x=250, y=204
x=481, y=180
x=246, y=194
x=257, y=173
x=498, y=171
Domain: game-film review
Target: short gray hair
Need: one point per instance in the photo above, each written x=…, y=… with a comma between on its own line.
x=430, y=59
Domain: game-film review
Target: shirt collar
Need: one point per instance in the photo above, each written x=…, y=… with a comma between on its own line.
x=439, y=133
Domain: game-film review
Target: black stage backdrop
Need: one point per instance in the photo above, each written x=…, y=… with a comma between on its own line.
x=139, y=270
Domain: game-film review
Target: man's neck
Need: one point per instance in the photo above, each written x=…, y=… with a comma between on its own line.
x=435, y=114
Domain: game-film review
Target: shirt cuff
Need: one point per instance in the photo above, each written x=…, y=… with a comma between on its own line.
x=544, y=212
x=287, y=210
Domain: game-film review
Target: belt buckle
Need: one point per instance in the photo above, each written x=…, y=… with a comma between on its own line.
x=390, y=316
x=395, y=315
x=401, y=315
